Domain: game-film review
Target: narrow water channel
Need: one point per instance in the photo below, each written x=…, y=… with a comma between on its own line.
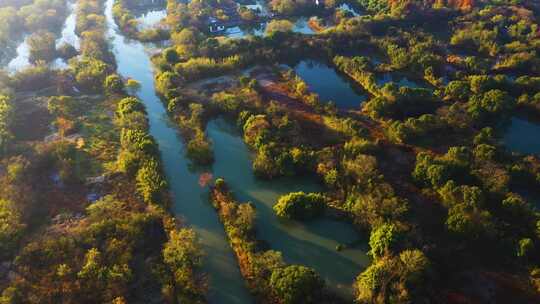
x=190, y=200
x=69, y=35
x=22, y=59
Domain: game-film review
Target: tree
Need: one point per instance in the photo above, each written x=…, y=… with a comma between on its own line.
x=165, y=82
x=275, y=26
x=458, y=90
x=299, y=205
x=296, y=284
x=395, y=279
x=182, y=254
x=525, y=248
x=11, y=226
x=42, y=46
x=384, y=239
x=416, y=268
x=171, y=55
x=66, y=51
x=186, y=41
x=64, y=106
x=114, y=84
x=6, y=117
x=150, y=182
x=133, y=86
x=128, y=106
x=372, y=280
x=489, y=104
x=90, y=73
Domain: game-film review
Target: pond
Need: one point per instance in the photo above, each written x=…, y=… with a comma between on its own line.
x=323, y=80
x=311, y=243
x=300, y=25
x=523, y=136
x=399, y=79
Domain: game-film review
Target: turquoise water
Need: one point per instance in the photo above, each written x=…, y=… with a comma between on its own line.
x=311, y=243
x=300, y=25
x=323, y=80
x=401, y=80
x=523, y=136
x=189, y=199
x=349, y=9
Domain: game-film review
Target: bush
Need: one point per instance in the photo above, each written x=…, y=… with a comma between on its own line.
x=383, y=239
x=113, y=84
x=296, y=284
x=299, y=205
x=11, y=227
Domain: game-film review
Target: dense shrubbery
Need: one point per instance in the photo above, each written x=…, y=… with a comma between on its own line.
x=296, y=284
x=6, y=118
x=418, y=130
x=139, y=156
x=11, y=227
x=300, y=205
x=401, y=103
x=358, y=68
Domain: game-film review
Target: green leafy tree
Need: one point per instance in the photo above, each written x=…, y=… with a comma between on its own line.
x=114, y=84
x=64, y=106
x=525, y=248
x=296, y=284
x=6, y=117
x=384, y=239
x=282, y=26
x=299, y=205
x=150, y=182
x=90, y=73
x=11, y=226
x=42, y=46
x=182, y=254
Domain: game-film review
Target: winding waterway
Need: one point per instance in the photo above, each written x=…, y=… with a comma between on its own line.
x=69, y=35
x=312, y=243
x=190, y=200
